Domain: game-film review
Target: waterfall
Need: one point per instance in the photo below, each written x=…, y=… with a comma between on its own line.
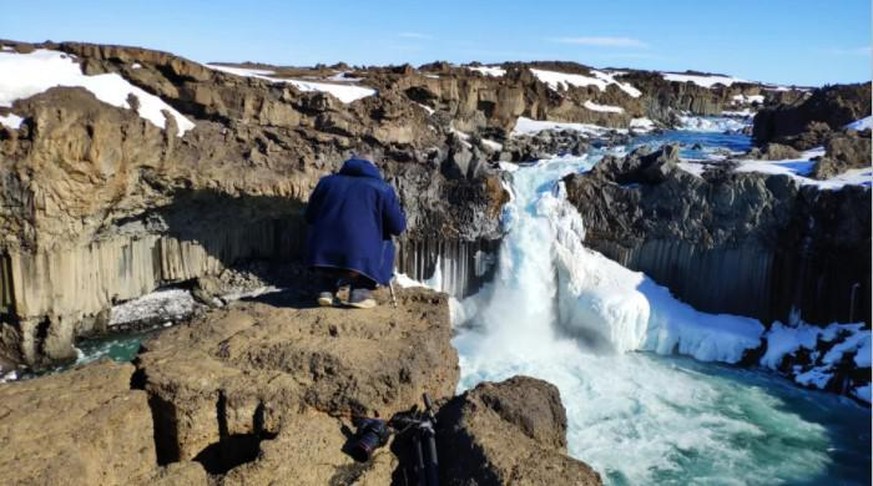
x=561, y=312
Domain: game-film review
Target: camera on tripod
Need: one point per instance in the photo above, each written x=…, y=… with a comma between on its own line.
x=373, y=433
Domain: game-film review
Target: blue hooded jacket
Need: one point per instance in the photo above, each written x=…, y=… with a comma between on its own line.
x=351, y=217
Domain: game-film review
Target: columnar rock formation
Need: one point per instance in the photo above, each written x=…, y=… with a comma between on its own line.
x=751, y=244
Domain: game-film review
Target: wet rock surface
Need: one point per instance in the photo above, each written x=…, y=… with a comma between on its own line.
x=512, y=432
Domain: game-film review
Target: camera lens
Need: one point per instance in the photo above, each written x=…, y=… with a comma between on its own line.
x=372, y=434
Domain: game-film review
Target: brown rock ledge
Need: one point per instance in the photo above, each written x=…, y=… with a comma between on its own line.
x=263, y=392
x=85, y=426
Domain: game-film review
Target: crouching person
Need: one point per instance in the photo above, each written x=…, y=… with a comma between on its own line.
x=351, y=217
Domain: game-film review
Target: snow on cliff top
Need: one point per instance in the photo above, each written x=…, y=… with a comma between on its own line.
x=798, y=169
x=603, y=108
x=496, y=71
x=342, y=92
x=557, y=80
x=707, y=81
x=26, y=75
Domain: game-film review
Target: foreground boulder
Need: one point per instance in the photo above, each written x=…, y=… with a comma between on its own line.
x=85, y=426
x=266, y=392
x=270, y=386
x=513, y=432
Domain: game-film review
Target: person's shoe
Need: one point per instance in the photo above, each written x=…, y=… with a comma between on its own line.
x=325, y=299
x=361, y=299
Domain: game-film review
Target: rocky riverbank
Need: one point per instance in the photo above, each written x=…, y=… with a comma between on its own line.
x=264, y=392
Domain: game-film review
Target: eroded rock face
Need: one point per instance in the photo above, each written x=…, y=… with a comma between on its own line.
x=254, y=377
x=744, y=243
x=513, y=432
x=84, y=426
x=132, y=207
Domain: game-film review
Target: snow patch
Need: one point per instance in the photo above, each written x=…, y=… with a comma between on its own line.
x=344, y=93
x=406, y=282
x=862, y=124
x=244, y=72
x=136, y=65
x=642, y=124
x=11, y=120
x=26, y=75
x=862, y=392
x=164, y=305
x=702, y=80
x=343, y=77
x=799, y=169
x=742, y=99
x=712, y=124
x=495, y=146
x=707, y=337
x=557, y=81
x=783, y=340
x=788, y=340
x=857, y=342
x=817, y=377
x=526, y=126
x=488, y=70
x=602, y=108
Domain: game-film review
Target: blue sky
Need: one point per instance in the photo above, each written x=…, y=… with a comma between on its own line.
x=806, y=42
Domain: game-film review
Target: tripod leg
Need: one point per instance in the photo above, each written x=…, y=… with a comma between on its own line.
x=432, y=468
x=419, y=462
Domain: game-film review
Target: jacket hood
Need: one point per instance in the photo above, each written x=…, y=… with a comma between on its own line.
x=360, y=168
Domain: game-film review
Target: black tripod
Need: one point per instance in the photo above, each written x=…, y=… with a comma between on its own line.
x=425, y=467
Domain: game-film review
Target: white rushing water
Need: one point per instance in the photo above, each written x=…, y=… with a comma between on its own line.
x=563, y=313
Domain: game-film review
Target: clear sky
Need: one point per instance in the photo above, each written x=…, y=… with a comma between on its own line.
x=806, y=42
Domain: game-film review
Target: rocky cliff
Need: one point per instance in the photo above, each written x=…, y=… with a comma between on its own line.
x=101, y=205
x=265, y=392
x=751, y=244
x=825, y=109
